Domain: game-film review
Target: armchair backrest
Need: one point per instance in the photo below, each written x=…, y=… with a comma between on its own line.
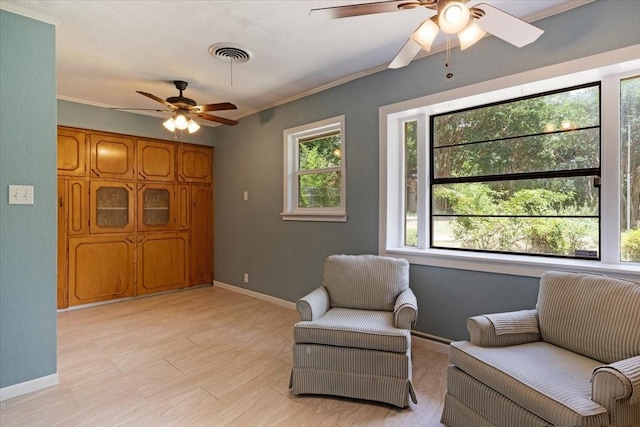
x=594, y=315
x=366, y=282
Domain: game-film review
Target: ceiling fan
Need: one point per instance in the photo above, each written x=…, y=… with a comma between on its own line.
x=182, y=107
x=470, y=20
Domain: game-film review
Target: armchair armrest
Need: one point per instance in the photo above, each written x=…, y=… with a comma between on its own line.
x=617, y=381
x=313, y=305
x=405, y=310
x=484, y=333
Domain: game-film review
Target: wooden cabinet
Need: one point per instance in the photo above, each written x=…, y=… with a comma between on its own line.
x=195, y=164
x=72, y=152
x=112, y=157
x=156, y=207
x=135, y=216
x=156, y=161
x=100, y=268
x=201, y=235
x=112, y=207
x=163, y=262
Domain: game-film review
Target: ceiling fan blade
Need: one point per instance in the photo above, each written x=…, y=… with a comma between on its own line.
x=139, y=109
x=217, y=119
x=507, y=27
x=160, y=100
x=358, y=9
x=214, y=107
x=406, y=54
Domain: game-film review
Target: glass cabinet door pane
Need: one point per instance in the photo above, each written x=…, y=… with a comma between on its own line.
x=156, y=207
x=112, y=207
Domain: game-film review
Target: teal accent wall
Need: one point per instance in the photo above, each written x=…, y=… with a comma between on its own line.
x=284, y=258
x=27, y=232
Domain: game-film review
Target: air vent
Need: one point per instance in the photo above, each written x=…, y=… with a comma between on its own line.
x=229, y=52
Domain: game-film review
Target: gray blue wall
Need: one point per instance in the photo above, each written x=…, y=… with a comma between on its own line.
x=27, y=232
x=284, y=259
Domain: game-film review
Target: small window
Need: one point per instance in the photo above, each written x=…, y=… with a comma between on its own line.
x=314, y=172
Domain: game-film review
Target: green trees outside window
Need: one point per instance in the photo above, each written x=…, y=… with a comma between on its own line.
x=319, y=178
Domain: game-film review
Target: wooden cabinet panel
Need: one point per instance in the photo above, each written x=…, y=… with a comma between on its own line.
x=112, y=207
x=156, y=207
x=112, y=157
x=77, y=206
x=72, y=152
x=156, y=161
x=201, y=235
x=63, y=289
x=100, y=268
x=163, y=262
x=183, y=194
x=195, y=164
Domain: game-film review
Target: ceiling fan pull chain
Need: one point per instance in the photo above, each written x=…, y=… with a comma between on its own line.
x=448, y=64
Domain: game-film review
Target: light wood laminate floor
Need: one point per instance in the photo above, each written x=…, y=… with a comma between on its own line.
x=201, y=357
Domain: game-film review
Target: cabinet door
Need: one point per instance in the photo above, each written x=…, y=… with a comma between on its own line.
x=201, y=235
x=195, y=164
x=156, y=207
x=163, y=262
x=72, y=152
x=63, y=288
x=156, y=161
x=112, y=207
x=77, y=206
x=183, y=203
x=112, y=157
x=100, y=268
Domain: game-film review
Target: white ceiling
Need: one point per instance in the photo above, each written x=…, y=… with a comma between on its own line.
x=106, y=50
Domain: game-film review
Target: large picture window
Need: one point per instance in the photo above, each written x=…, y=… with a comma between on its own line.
x=314, y=172
x=518, y=175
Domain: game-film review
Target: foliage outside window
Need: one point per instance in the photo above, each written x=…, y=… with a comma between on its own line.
x=518, y=178
x=314, y=172
x=630, y=168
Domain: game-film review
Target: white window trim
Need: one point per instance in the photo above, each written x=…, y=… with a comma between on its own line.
x=290, y=210
x=607, y=67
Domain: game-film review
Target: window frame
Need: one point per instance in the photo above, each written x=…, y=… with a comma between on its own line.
x=608, y=68
x=291, y=137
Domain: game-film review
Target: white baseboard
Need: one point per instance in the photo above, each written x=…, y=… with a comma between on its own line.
x=256, y=295
x=28, y=386
x=427, y=343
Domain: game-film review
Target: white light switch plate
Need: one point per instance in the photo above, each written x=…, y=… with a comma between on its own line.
x=21, y=194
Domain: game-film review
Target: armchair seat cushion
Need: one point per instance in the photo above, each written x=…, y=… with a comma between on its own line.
x=546, y=380
x=365, y=329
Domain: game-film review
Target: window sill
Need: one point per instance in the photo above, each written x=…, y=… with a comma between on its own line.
x=317, y=217
x=531, y=266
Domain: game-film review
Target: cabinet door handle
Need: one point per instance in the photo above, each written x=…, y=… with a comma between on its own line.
x=61, y=202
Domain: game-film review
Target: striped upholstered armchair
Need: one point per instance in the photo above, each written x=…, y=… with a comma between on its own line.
x=354, y=337
x=573, y=361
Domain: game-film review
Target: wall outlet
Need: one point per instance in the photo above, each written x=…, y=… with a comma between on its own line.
x=21, y=194
x=245, y=196
x=246, y=277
